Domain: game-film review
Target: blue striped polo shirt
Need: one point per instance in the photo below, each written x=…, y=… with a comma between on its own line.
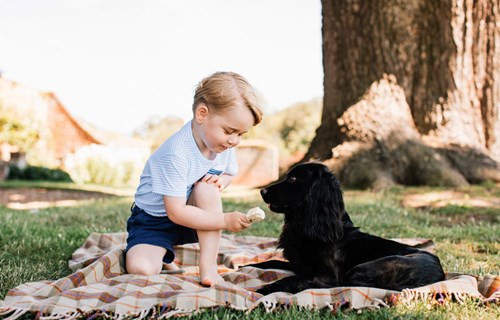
x=173, y=169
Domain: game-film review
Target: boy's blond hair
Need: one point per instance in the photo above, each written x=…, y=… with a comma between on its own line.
x=223, y=89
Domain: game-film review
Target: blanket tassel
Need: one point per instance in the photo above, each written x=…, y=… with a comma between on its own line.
x=172, y=313
x=17, y=313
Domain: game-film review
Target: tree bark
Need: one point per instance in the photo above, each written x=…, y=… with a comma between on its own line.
x=406, y=81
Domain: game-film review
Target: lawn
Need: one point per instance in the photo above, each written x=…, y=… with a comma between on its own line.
x=37, y=244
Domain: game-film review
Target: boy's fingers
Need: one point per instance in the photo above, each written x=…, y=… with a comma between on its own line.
x=210, y=178
x=246, y=224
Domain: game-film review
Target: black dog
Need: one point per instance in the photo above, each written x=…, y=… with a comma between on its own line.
x=326, y=250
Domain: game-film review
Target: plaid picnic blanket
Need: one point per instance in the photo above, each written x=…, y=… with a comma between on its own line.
x=100, y=286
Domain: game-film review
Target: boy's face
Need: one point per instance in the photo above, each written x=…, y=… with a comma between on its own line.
x=223, y=130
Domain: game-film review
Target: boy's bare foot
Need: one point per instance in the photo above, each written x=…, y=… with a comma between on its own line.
x=211, y=280
x=210, y=277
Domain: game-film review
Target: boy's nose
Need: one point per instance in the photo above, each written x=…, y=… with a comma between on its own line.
x=233, y=141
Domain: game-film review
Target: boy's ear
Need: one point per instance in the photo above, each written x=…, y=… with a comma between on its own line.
x=201, y=112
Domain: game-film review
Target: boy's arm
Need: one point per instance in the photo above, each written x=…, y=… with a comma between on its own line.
x=195, y=218
x=192, y=217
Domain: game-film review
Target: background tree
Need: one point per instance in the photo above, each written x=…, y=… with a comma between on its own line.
x=17, y=130
x=411, y=92
x=156, y=130
x=291, y=129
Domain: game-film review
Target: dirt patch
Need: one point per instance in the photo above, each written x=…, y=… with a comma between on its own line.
x=441, y=199
x=36, y=198
x=456, y=207
x=468, y=218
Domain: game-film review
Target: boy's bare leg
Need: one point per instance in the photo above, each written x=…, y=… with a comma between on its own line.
x=209, y=248
x=207, y=197
x=145, y=259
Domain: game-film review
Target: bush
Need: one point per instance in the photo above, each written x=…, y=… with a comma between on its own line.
x=17, y=130
x=37, y=173
x=107, y=165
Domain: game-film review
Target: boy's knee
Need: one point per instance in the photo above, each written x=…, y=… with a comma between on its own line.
x=142, y=266
x=206, y=196
x=205, y=190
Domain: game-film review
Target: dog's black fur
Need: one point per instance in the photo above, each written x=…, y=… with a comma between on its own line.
x=326, y=250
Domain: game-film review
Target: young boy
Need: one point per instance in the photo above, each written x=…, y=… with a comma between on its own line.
x=178, y=198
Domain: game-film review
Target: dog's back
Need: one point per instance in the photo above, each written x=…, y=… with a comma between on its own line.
x=397, y=272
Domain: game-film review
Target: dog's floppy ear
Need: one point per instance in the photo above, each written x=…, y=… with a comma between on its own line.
x=323, y=209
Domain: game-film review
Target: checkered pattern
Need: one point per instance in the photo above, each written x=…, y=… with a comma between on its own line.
x=99, y=284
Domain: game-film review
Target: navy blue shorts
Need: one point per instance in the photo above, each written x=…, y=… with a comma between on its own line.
x=144, y=228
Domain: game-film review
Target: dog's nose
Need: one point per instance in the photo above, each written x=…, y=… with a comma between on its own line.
x=263, y=191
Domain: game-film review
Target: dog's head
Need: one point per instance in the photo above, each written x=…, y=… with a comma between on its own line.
x=311, y=199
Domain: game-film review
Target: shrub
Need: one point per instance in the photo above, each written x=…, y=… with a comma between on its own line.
x=17, y=131
x=37, y=173
x=106, y=165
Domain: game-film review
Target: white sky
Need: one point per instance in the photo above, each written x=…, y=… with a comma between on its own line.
x=116, y=63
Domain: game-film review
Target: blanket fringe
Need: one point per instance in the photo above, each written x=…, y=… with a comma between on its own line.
x=408, y=295
x=379, y=302
x=495, y=297
x=172, y=313
x=73, y=316
x=268, y=305
x=156, y=312
x=62, y=316
x=16, y=313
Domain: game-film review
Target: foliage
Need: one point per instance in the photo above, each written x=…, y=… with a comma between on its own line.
x=37, y=246
x=17, y=131
x=23, y=128
x=292, y=129
x=298, y=125
x=157, y=130
x=37, y=173
x=106, y=165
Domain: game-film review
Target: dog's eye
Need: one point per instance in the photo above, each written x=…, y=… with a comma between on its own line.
x=291, y=179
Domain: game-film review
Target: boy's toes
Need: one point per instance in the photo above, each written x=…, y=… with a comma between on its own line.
x=211, y=281
x=206, y=282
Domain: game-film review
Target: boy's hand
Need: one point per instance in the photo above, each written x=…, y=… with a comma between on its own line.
x=213, y=178
x=236, y=221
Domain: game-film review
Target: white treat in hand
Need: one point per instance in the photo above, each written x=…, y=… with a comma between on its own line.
x=256, y=214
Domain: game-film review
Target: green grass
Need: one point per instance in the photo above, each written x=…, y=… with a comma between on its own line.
x=36, y=245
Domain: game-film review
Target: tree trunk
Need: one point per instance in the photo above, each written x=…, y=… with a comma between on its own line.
x=411, y=92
